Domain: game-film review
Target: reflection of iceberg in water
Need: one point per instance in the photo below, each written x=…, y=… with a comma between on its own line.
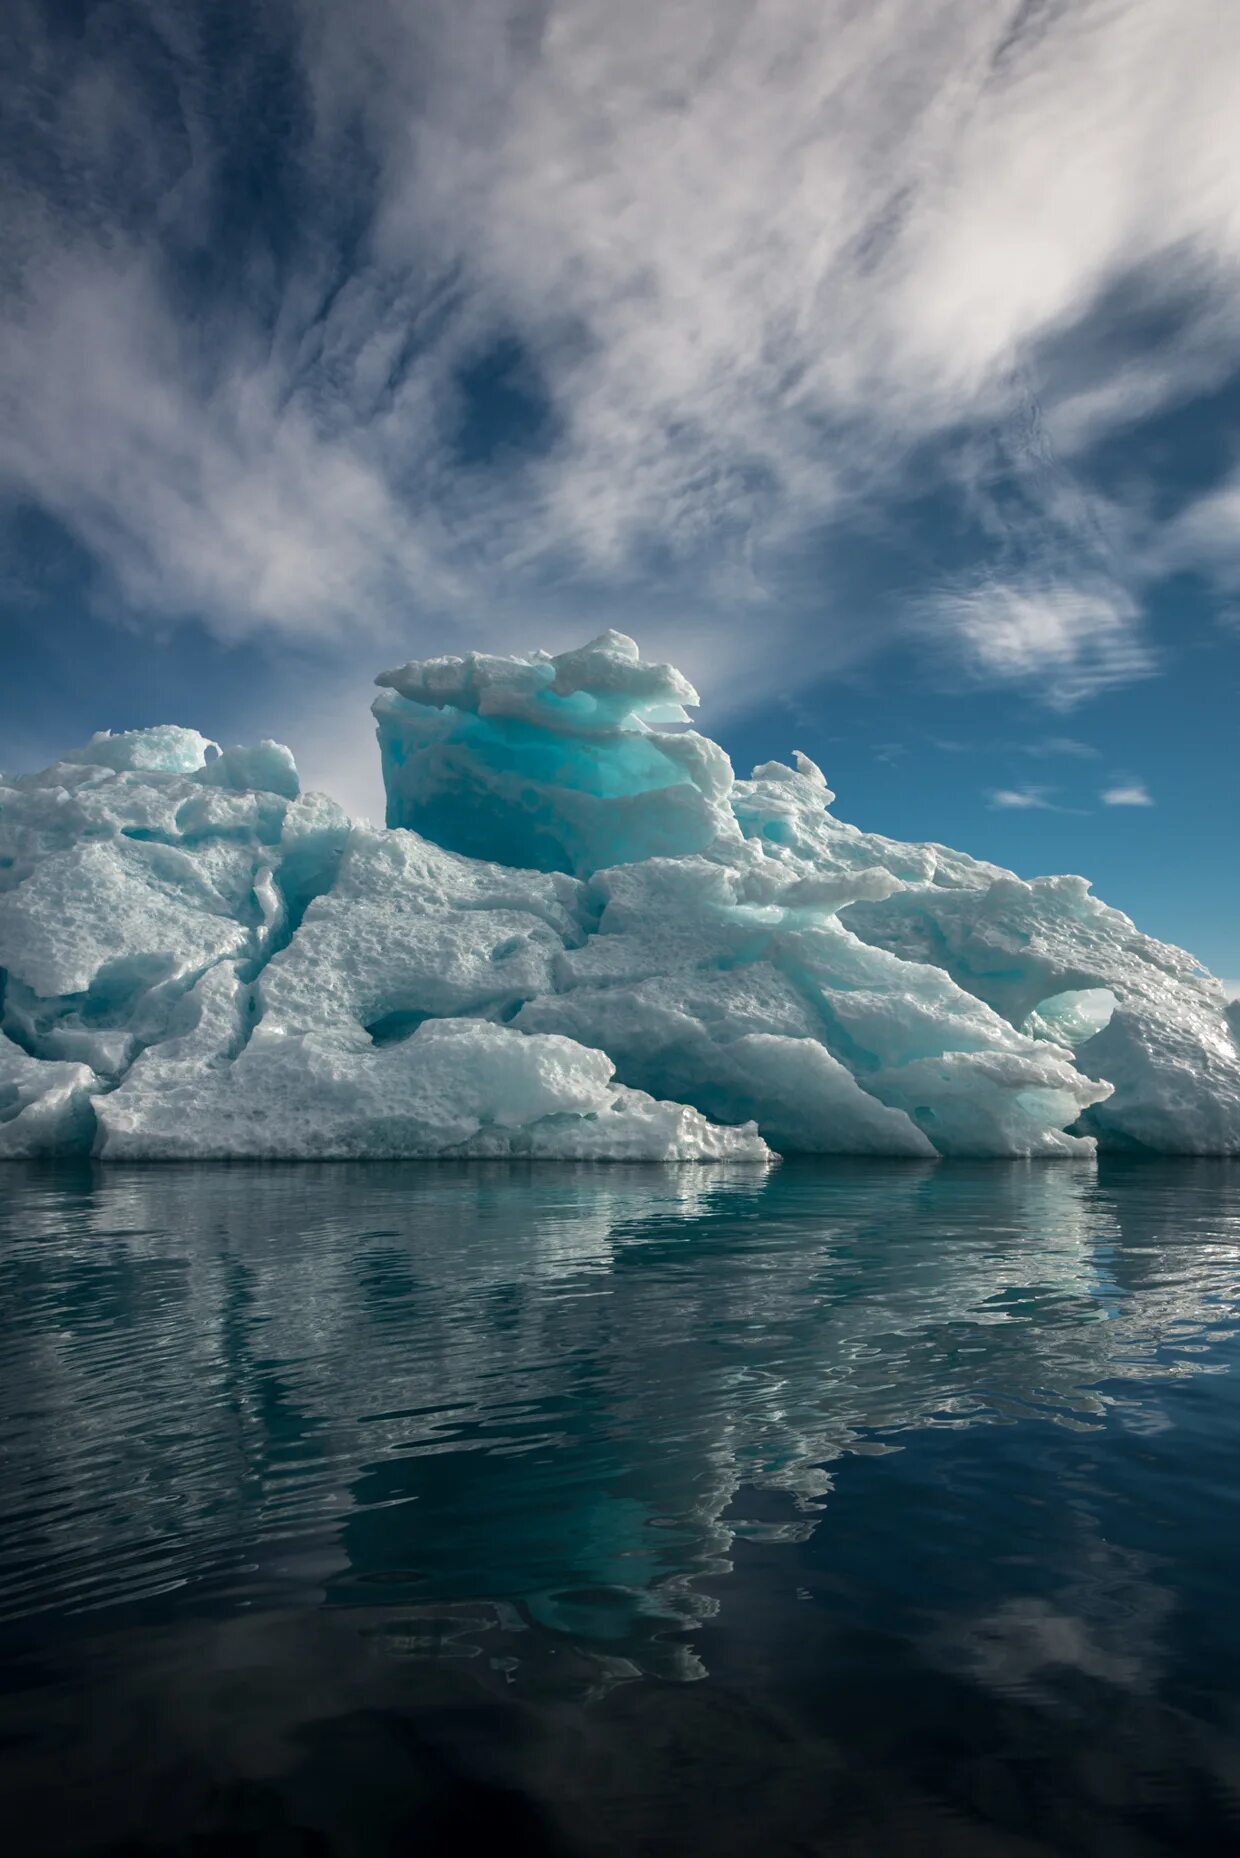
x=404, y=1390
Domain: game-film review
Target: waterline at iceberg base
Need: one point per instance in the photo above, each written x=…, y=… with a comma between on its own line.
x=578, y=936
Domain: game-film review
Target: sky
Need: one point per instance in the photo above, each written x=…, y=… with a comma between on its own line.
x=876, y=361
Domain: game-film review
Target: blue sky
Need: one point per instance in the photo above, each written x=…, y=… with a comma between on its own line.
x=879, y=365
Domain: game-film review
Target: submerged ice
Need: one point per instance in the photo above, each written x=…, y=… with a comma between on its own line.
x=578, y=935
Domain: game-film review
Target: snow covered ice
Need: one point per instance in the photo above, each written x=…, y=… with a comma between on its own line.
x=578, y=935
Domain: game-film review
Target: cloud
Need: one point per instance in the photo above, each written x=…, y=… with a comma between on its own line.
x=228, y=502
x=1061, y=745
x=1203, y=536
x=1024, y=797
x=757, y=264
x=1126, y=793
x=1072, y=641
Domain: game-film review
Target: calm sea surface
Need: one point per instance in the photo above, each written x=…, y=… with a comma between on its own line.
x=847, y=1508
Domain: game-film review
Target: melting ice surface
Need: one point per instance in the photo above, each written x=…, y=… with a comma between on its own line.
x=578, y=935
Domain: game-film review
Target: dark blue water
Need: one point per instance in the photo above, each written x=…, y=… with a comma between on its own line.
x=850, y=1508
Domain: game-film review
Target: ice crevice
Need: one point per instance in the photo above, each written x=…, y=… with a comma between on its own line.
x=577, y=934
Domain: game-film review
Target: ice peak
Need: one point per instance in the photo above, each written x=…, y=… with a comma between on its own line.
x=613, y=687
x=557, y=763
x=166, y=749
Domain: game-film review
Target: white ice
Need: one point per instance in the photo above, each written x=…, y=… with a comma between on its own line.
x=578, y=935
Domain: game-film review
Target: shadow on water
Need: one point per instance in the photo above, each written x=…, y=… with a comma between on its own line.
x=850, y=1507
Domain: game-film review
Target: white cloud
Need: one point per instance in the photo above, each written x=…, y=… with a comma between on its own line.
x=755, y=254
x=1024, y=797
x=1205, y=535
x=228, y=501
x=1073, y=641
x=1126, y=793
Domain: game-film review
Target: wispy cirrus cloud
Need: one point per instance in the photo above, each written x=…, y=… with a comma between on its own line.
x=1073, y=640
x=1060, y=746
x=757, y=268
x=1204, y=536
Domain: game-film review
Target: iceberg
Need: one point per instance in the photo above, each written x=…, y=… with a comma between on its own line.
x=577, y=935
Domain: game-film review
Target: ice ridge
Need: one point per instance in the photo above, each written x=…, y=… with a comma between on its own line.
x=578, y=935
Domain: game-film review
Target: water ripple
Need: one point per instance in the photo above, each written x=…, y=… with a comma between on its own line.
x=502, y=1383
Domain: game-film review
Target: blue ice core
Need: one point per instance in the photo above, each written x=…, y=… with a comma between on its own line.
x=554, y=764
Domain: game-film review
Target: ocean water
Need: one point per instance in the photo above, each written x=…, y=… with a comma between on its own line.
x=849, y=1508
